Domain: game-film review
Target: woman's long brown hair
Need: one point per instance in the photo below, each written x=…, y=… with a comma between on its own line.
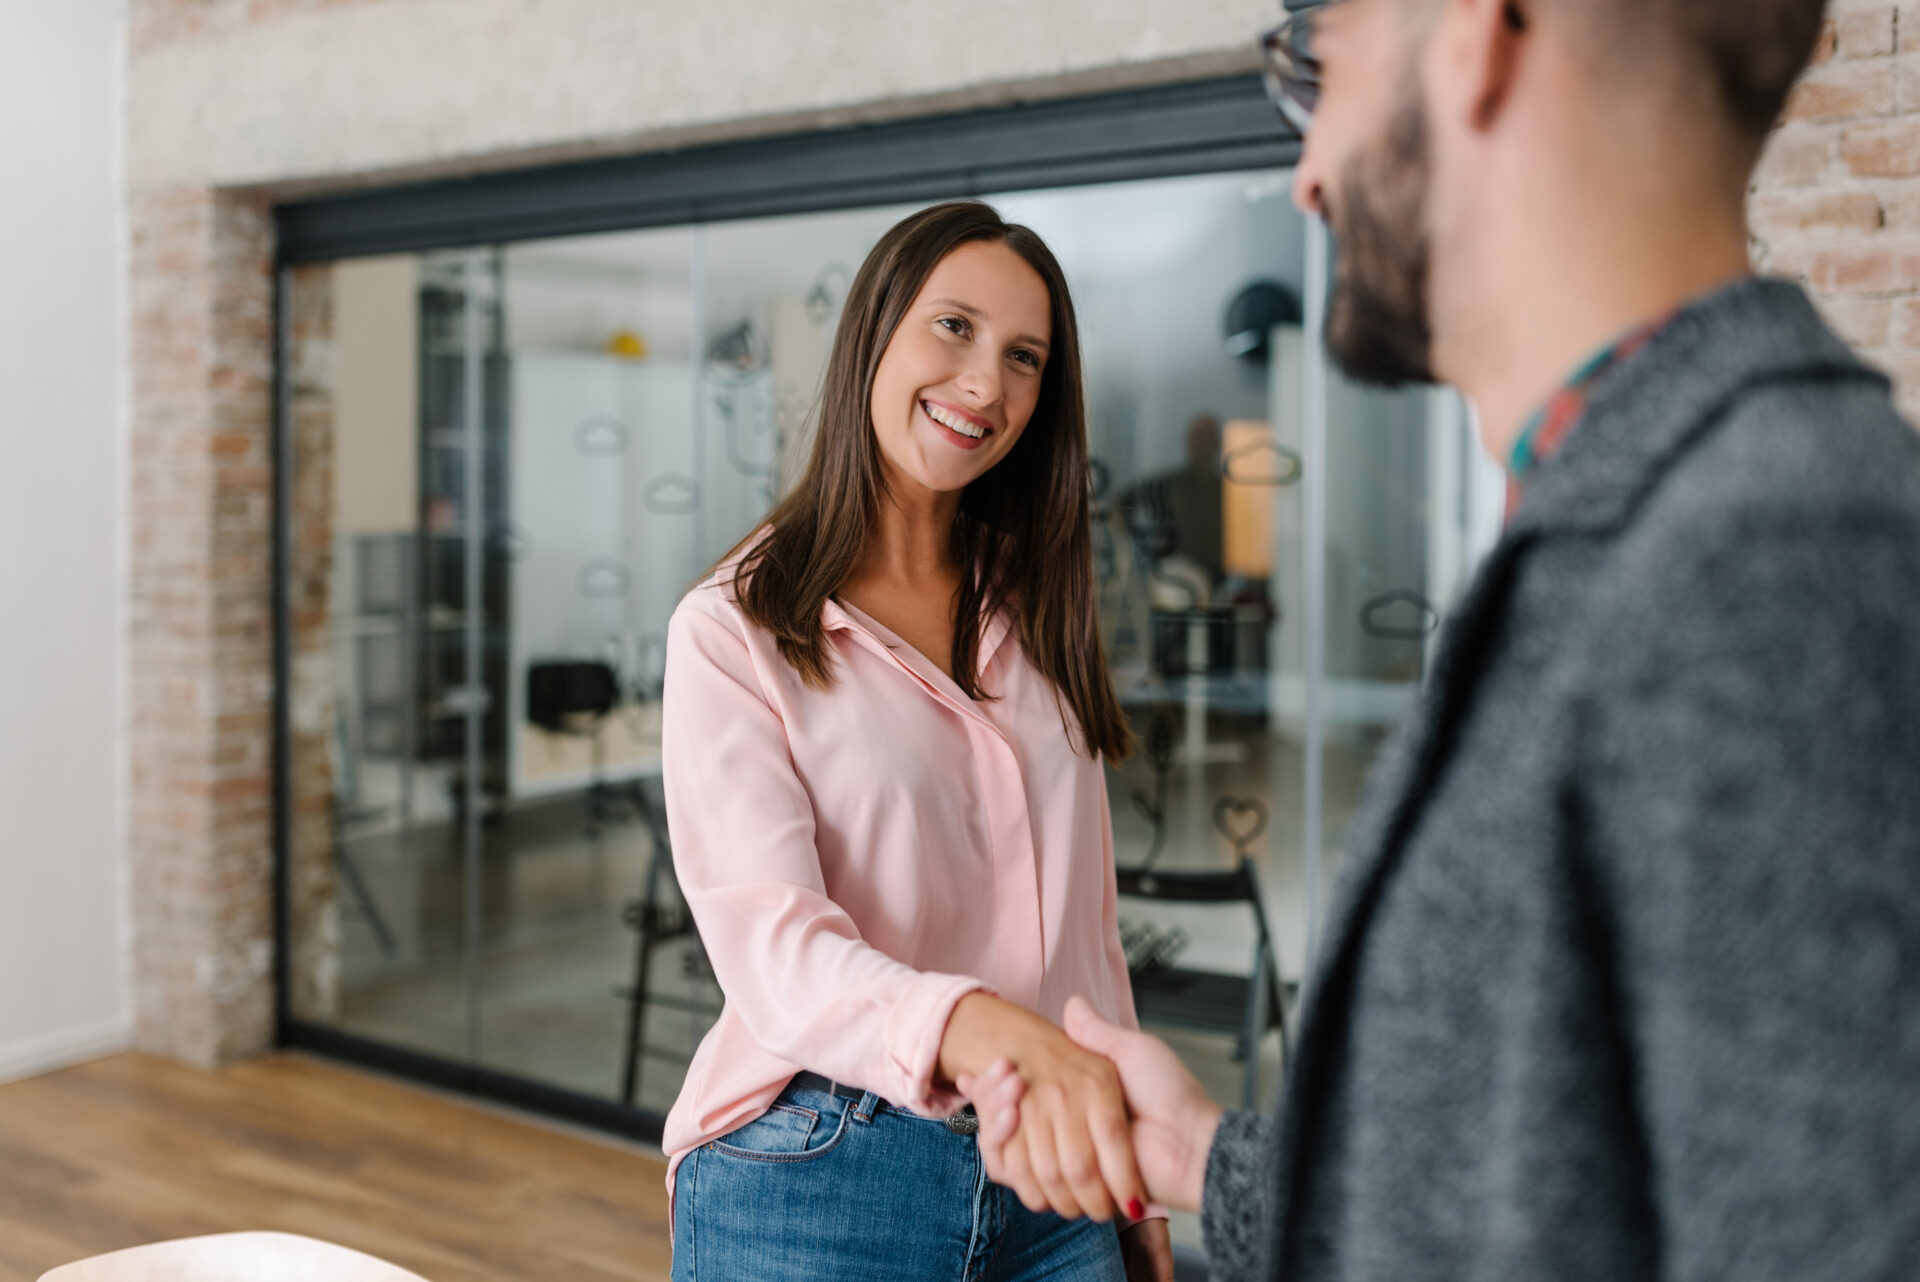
x=1023, y=529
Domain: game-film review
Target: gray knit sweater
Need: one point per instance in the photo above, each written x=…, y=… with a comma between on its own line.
x=1623, y=978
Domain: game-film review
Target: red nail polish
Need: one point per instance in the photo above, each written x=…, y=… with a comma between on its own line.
x=1135, y=1210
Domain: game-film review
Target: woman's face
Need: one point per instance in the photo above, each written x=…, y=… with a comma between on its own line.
x=961, y=374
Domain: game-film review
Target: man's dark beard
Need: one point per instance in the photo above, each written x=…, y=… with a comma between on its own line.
x=1377, y=324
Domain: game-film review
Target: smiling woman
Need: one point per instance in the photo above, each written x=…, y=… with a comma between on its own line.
x=885, y=718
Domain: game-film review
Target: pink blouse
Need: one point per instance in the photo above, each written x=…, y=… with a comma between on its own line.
x=860, y=858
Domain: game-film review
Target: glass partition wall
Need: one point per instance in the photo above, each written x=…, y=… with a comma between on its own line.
x=507, y=462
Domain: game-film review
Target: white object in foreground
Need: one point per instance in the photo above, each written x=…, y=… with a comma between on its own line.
x=234, y=1257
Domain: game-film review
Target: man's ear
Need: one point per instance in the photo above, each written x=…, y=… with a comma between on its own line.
x=1483, y=42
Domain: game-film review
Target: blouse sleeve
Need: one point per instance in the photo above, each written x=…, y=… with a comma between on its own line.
x=791, y=962
x=1124, y=1014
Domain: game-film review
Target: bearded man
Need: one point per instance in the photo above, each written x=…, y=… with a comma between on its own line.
x=1623, y=978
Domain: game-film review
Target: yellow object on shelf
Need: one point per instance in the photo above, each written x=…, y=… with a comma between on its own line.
x=627, y=344
x=1246, y=510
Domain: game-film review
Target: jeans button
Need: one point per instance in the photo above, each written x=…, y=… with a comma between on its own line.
x=965, y=1122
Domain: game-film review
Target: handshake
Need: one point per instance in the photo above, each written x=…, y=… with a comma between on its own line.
x=1097, y=1121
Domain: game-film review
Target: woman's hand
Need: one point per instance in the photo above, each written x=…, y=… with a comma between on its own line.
x=1073, y=1151
x=1147, y=1249
x=1173, y=1120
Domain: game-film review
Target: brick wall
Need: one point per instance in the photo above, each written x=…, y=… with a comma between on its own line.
x=199, y=619
x=314, y=916
x=1836, y=201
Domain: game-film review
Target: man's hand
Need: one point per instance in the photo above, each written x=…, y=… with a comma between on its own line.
x=1074, y=1154
x=1173, y=1121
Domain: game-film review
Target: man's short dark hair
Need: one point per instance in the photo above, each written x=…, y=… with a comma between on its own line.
x=1753, y=50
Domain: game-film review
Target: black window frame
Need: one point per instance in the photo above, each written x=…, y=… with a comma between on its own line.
x=1196, y=127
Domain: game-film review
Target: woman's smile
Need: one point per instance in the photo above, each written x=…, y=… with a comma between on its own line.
x=955, y=425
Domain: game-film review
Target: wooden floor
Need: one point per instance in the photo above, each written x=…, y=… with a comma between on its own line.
x=133, y=1149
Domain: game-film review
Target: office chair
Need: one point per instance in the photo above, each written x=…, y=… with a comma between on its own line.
x=575, y=697
x=1244, y=1007
x=658, y=917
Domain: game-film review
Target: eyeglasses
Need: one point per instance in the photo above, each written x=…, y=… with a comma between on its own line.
x=1291, y=69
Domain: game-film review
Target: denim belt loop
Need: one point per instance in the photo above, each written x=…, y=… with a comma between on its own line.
x=864, y=1109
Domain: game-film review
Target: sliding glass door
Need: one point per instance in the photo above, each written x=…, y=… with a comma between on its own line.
x=509, y=462
x=507, y=454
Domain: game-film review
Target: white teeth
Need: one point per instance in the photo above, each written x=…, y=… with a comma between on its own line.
x=953, y=421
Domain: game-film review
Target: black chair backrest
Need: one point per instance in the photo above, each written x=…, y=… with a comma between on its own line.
x=1234, y=886
x=562, y=689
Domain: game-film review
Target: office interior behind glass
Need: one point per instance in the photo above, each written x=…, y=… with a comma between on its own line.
x=508, y=463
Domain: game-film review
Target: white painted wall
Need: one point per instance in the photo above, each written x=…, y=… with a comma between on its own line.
x=63, y=934
x=289, y=95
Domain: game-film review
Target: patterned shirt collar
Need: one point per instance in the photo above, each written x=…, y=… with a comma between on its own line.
x=1552, y=423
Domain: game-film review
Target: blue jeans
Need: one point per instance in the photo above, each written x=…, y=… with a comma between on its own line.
x=820, y=1187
